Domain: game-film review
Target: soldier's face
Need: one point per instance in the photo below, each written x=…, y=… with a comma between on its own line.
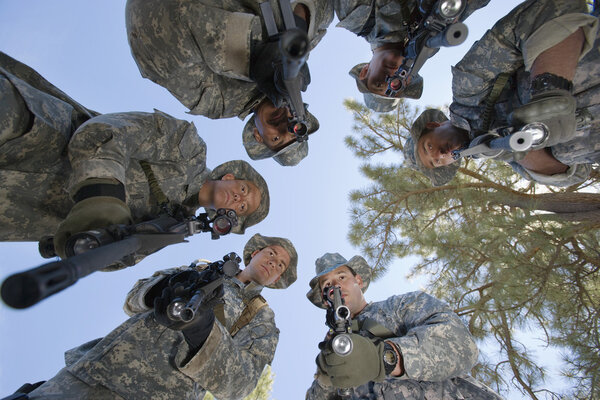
x=351, y=287
x=239, y=195
x=272, y=126
x=383, y=64
x=267, y=265
x=435, y=147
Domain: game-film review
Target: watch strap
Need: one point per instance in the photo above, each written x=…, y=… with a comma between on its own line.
x=547, y=81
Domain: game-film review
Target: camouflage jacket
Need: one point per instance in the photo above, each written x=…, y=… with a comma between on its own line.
x=37, y=121
x=383, y=21
x=503, y=50
x=142, y=359
x=111, y=146
x=200, y=50
x=437, y=349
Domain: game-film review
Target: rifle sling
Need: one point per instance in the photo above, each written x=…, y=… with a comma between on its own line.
x=490, y=102
x=252, y=307
x=161, y=199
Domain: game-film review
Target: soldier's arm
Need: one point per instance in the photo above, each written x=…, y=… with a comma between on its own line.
x=437, y=344
x=106, y=146
x=514, y=42
x=573, y=175
x=230, y=367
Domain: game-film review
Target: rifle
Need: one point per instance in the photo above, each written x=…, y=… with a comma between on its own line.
x=93, y=250
x=437, y=27
x=294, y=48
x=505, y=139
x=182, y=309
x=339, y=321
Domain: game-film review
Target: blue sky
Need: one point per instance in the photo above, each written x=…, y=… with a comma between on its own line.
x=81, y=47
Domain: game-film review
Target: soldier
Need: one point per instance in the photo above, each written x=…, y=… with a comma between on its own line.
x=418, y=348
x=66, y=169
x=384, y=24
x=534, y=65
x=215, y=58
x=223, y=349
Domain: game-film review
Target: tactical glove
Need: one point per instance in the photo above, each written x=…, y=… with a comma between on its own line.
x=181, y=287
x=92, y=212
x=556, y=109
x=362, y=365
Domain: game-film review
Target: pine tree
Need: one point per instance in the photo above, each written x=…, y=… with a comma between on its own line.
x=506, y=254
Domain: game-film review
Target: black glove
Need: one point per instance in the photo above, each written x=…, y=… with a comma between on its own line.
x=182, y=286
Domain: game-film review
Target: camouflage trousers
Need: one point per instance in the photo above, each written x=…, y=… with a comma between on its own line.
x=65, y=386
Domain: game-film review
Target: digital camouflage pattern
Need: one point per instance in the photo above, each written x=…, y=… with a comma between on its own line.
x=259, y=242
x=506, y=48
x=142, y=359
x=327, y=263
x=242, y=170
x=437, y=349
x=38, y=178
x=382, y=103
x=290, y=155
x=384, y=22
x=438, y=176
x=37, y=121
x=200, y=51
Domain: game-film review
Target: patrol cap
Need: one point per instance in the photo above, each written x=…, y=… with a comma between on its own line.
x=243, y=171
x=438, y=176
x=259, y=242
x=381, y=103
x=329, y=262
x=290, y=155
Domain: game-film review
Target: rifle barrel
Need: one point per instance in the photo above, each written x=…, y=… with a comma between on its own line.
x=27, y=288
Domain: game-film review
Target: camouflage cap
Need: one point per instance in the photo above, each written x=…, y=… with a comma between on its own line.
x=259, y=242
x=290, y=155
x=327, y=263
x=438, y=176
x=380, y=103
x=242, y=170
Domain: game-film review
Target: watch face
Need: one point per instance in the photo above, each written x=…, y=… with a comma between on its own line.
x=389, y=357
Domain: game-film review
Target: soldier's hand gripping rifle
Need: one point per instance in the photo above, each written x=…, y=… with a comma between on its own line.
x=505, y=140
x=294, y=48
x=437, y=27
x=339, y=321
x=96, y=249
x=203, y=288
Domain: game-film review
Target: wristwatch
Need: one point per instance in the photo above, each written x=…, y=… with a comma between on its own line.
x=548, y=81
x=390, y=359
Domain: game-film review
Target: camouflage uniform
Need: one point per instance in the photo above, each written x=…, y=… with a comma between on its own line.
x=383, y=22
x=437, y=349
x=37, y=178
x=142, y=359
x=509, y=47
x=200, y=50
x=37, y=121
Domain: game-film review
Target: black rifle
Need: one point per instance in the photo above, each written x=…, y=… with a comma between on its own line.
x=505, y=139
x=96, y=249
x=294, y=47
x=436, y=26
x=339, y=321
x=184, y=309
